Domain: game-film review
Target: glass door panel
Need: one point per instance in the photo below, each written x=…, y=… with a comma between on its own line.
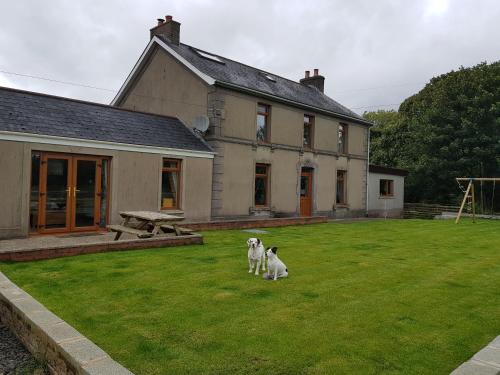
x=84, y=193
x=57, y=194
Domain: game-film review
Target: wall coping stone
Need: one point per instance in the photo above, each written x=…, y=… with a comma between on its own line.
x=49, y=338
x=484, y=362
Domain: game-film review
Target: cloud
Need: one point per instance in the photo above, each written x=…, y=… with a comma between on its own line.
x=373, y=54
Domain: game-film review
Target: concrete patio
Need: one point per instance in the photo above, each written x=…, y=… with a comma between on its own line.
x=54, y=246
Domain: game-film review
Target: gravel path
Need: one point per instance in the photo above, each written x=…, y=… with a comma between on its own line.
x=14, y=358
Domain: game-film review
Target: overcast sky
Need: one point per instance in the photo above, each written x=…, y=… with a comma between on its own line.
x=373, y=54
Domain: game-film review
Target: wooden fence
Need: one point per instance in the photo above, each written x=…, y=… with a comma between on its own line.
x=426, y=211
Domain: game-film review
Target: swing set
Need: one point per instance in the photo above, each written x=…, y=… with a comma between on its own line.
x=470, y=197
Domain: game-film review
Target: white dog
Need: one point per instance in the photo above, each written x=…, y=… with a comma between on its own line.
x=256, y=255
x=275, y=267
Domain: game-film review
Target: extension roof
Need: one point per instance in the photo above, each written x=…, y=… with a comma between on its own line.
x=237, y=76
x=388, y=170
x=40, y=114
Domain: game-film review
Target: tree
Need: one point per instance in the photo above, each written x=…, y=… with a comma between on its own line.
x=450, y=128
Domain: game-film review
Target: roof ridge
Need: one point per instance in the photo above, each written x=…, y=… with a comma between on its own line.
x=84, y=102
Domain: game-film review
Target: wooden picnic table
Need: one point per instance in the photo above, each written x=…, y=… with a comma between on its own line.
x=145, y=224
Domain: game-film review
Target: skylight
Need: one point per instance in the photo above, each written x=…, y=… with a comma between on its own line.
x=268, y=77
x=209, y=56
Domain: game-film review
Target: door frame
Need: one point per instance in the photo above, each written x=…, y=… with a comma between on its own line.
x=97, y=193
x=71, y=189
x=309, y=172
x=42, y=199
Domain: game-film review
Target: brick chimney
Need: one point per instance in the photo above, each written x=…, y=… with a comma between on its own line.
x=316, y=80
x=167, y=28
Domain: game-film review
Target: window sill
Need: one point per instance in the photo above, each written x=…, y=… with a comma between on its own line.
x=174, y=211
x=261, y=208
x=342, y=205
x=386, y=197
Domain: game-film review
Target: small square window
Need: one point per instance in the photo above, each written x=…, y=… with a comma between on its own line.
x=386, y=188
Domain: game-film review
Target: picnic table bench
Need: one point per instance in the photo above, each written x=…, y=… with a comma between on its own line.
x=145, y=224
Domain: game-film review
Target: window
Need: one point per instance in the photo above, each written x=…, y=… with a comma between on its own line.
x=261, y=185
x=262, y=122
x=308, y=131
x=386, y=188
x=268, y=76
x=342, y=138
x=209, y=56
x=170, y=184
x=341, y=187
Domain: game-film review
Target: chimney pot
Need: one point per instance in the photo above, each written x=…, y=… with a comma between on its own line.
x=167, y=28
x=316, y=80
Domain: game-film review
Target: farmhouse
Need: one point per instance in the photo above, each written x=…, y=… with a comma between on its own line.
x=272, y=147
x=69, y=165
x=283, y=148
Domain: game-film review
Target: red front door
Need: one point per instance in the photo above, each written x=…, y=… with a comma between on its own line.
x=306, y=192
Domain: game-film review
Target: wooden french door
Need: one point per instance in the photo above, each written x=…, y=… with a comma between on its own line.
x=306, y=192
x=70, y=193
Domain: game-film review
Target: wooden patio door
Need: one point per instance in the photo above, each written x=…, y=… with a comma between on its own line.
x=306, y=192
x=70, y=191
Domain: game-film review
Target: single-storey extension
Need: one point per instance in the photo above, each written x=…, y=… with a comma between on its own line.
x=386, y=191
x=69, y=166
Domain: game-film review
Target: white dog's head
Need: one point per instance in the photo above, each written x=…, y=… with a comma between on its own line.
x=253, y=243
x=271, y=252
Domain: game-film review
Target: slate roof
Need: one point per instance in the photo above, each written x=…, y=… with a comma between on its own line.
x=35, y=113
x=248, y=77
x=388, y=170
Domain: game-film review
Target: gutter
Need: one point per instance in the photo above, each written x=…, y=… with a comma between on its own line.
x=291, y=102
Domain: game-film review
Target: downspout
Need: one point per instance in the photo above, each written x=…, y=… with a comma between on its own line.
x=367, y=167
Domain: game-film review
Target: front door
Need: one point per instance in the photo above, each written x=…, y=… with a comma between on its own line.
x=70, y=193
x=306, y=192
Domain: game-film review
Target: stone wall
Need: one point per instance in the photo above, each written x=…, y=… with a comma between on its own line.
x=51, y=340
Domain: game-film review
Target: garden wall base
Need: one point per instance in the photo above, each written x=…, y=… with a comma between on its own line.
x=254, y=223
x=51, y=340
x=484, y=362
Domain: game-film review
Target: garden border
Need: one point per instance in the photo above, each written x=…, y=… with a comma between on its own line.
x=50, y=339
x=484, y=362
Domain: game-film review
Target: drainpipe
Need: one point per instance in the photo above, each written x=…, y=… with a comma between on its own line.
x=367, y=167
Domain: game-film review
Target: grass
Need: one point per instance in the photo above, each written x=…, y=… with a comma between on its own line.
x=379, y=297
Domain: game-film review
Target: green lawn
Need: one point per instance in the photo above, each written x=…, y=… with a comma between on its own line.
x=379, y=297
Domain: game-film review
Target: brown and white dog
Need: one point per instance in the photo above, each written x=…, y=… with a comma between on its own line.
x=256, y=255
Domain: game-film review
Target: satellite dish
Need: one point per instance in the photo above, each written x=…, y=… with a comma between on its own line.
x=201, y=123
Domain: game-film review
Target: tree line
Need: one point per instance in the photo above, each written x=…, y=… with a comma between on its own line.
x=451, y=128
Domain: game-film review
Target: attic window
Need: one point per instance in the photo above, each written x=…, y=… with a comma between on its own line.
x=269, y=77
x=209, y=56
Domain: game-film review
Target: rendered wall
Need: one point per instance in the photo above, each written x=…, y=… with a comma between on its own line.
x=166, y=87
x=135, y=183
x=385, y=206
